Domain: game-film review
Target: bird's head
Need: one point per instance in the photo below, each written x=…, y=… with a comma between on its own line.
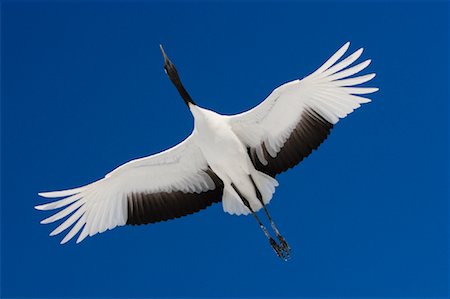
x=172, y=73
x=169, y=67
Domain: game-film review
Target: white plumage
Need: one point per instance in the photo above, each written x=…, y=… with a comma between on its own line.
x=233, y=158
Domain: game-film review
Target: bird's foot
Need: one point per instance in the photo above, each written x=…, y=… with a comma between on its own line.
x=284, y=255
x=284, y=245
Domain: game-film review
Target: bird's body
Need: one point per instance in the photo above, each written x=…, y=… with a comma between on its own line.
x=228, y=158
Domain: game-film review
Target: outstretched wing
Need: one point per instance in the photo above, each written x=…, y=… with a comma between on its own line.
x=164, y=186
x=298, y=116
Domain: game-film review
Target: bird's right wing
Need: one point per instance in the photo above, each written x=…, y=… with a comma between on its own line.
x=297, y=116
x=171, y=184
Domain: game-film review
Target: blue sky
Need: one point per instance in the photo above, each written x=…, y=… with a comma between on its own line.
x=83, y=90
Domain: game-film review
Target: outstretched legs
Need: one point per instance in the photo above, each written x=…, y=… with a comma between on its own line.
x=280, y=251
x=280, y=238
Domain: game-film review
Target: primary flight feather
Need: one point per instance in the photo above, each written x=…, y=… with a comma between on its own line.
x=228, y=158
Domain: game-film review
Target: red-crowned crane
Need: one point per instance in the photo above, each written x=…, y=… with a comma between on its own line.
x=228, y=158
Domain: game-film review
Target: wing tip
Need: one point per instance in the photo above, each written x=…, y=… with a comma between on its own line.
x=81, y=237
x=44, y=194
x=65, y=240
x=372, y=89
x=62, y=193
x=40, y=207
x=45, y=221
x=359, y=51
x=344, y=49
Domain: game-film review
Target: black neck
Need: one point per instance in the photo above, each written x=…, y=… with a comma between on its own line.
x=181, y=90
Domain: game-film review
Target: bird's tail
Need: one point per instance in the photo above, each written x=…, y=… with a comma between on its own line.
x=232, y=202
x=265, y=184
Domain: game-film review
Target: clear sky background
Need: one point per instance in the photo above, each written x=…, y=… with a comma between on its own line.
x=83, y=90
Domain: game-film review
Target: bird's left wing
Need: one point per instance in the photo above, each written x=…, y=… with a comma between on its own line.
x=171, y=184
x=298, y=116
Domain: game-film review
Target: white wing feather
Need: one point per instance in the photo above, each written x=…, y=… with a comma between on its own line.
x=328, y=90
x=102, y=205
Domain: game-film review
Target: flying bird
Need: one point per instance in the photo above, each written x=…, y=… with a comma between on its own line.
x=232, y=159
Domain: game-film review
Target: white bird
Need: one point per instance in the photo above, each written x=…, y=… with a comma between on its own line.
x=228, y=158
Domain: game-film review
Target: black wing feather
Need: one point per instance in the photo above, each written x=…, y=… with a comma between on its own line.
x=145, y=208
x=310, y=132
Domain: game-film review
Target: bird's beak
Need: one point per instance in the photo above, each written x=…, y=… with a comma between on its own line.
x=172, y=73
x=166, y=59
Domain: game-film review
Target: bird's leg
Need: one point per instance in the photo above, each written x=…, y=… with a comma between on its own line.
x=278, y=250
x=283, y=242
x=280, y=238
